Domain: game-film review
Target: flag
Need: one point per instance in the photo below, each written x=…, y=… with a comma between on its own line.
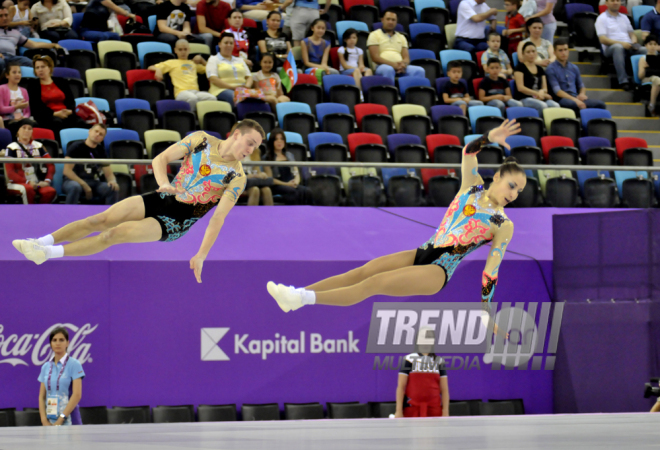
x=289, y=72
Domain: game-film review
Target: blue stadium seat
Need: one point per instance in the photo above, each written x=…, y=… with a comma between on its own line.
x=420, y=53
x=520, y=111
x=476, y=112
x=621, y=175
x=66, y=72
x=323, y=109
x=76, y=44
x=246, y=107
x=27, y=72
x=125, y=104
x=584, y=175
x=395, y=140
x=344, y=25
x=22, y=50
x=638, y=12
x=421, y=4
x=588, y=114
x=518, y=140
x=290, y=137
x=418, y=28
x=322, y=138
x=151, y=47
x=330, y=81
x=152, y=22
x=634, y=60
x=574, y=8
x=452, y=55
x=389, y=173
x=291, y=107
x=163, y=106
x=72, y=134
x=406, y=82
x=119, y=135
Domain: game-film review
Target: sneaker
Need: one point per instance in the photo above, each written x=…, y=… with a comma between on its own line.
x=652, y=110
x=32, y=251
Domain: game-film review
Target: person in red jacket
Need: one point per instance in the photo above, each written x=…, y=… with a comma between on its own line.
x=29, y=179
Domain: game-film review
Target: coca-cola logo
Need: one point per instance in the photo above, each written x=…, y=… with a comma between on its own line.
x=14, y=348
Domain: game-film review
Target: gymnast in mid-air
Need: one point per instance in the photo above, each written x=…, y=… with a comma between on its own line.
x=475, y=217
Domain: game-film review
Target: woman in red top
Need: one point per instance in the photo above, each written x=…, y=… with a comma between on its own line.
x=51, y=100
x=241, y=41
x=29, y=179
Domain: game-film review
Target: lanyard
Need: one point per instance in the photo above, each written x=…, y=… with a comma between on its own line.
x=50, y=372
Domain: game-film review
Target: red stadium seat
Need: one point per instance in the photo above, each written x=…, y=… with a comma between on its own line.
x=550, y=142
x=334, y=58
x=622, y=9
x=479, y=61
x=434, y=141
x=475, y=84
x=137, y=75
x=365, y=109
x=427, y=174
x=348, y=4
x=42, y=133
x=307, y=79
x=356, y=139
x=624, y=143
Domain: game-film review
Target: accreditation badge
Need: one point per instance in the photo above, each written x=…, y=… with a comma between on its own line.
x=51, y=407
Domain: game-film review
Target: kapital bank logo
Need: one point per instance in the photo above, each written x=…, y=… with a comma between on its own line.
x=14, y=348
x=279, y=344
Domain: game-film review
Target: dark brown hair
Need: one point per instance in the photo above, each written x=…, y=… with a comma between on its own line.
x=57, y=331
x=246, y=125
x=510, y=165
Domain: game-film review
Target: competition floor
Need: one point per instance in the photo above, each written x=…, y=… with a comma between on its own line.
x=586, y=431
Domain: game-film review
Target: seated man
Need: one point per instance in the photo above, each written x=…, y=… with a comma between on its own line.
x=650, y=22
x=471, y=23
x=618, y=39
x=173, y=23
x=184, y=75
x=565, y=82
x=10, y=38
x=211, y=15
x=87, y=177
x=389, y=50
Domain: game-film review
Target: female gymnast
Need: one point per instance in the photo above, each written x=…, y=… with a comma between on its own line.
x=474, y=218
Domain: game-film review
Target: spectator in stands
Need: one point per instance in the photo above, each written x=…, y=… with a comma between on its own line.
x=650, y=23
x=94, y=25
x=494, y=51
x=14, y=100
x=87, y=178
x=618, y=39
x=303, y=14
x=211, y=15
x=55, y=20
x=531, y=84
x=273, y=40
x=51, y=100
x=565, y=81
x=21, y=18
x=544, y=11
x=258, y=186
x=629, y=4
x=316, y=50
x=58, y=376
x=227, y=72
x=495, y=90
x=351, y=58
x=651, y=44
x=11, y=38
x=30, y=179
x=470, y=25
x=422, y=388
x=269, y=82
x=455, y=92
x=241, y=38
x=255, y=10
x=515, y=25
x=545, y=55
x=183, y=72
x=173, y=23
x=389, y=50
x=286, y=180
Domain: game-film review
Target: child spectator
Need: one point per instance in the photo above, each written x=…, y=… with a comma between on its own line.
x=494, y=90
x=494, y=51
x=454, y=92
x=651, y=44
x=269, y=82
x=351, y=58
x=515, y=25
x=316, y=50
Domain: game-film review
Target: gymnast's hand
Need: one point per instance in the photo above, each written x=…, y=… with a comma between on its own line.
x=169, y=189
x=508, y=128
x=196, y=264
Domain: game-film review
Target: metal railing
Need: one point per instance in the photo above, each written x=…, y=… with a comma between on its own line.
x=387, y=165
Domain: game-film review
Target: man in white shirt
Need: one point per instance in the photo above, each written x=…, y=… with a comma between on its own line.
x=471, y=24
x=618, y=39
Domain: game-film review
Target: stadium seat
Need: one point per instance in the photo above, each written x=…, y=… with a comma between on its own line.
x=344, y=25
x=637, y=157
x=379, y=124
x=139, y=120
x=268, y=411
x=357, y=139
x=312, y=94
x=132, y=76
x=208, y=106
x=518, y=140
x=569, y=156
x=561, y=192
x=366, y=13
x=405, y=191
x=396, y=140
x=265, y=119
x=434, y=141
x=145, y=48
x=325, y=109
x=105, y=47
x=574, y=8
x=101, y=103
x=216, y=413
x=443, y=189
x=624, y=143
x=552, y=114
x=69, y=135
x=164, y=106
x=403, y=110
x=520, y=111
x=172, y=414
x=245, y=107
x=453, y=55
x=199, y=49
x=303, y=411
x=365, y=109
x=475, y=113
x=427, y=174
x=322, y=138
x=589, y=142
x=637, y=193
x=93, y=75
x=622, y=175
x=550, y=142
x=81, y=60
x=330, y=152
x=125, y=149
x=76, y=44
x=527, y=154
x=600, y=193
x=151, y=137
x=119, y=135
x=638, y=12
x=420, y=5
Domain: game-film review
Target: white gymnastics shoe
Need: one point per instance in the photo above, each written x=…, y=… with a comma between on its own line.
x=273, y=290
x=287, y=297
x=32, y=251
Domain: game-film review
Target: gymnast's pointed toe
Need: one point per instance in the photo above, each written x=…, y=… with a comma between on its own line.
x=274, y=291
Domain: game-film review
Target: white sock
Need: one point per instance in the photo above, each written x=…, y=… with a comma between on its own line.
x=308, y=297
x=46, y=240
x=54, y=251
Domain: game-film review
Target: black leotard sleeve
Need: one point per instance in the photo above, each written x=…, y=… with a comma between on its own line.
x=475, y=146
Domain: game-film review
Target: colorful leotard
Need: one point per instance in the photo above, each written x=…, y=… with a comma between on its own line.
x=466, y=226
x=205, y=176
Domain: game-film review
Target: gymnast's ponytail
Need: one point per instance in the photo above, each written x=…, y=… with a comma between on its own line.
x=510, y=165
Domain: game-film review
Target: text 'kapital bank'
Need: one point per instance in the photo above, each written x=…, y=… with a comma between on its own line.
x=282, y=344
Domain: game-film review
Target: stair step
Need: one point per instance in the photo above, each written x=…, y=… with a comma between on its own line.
x=652, y=138
x=596, y=81
x=587, y=68
x=610, y=95
x=637, y=123
x=626, y=109
x=592, y=53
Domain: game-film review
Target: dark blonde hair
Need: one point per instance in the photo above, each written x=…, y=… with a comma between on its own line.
x=246, y=125
x=44, y=58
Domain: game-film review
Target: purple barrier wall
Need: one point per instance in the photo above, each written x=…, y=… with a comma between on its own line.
x=141, y=324
x=608, y=348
